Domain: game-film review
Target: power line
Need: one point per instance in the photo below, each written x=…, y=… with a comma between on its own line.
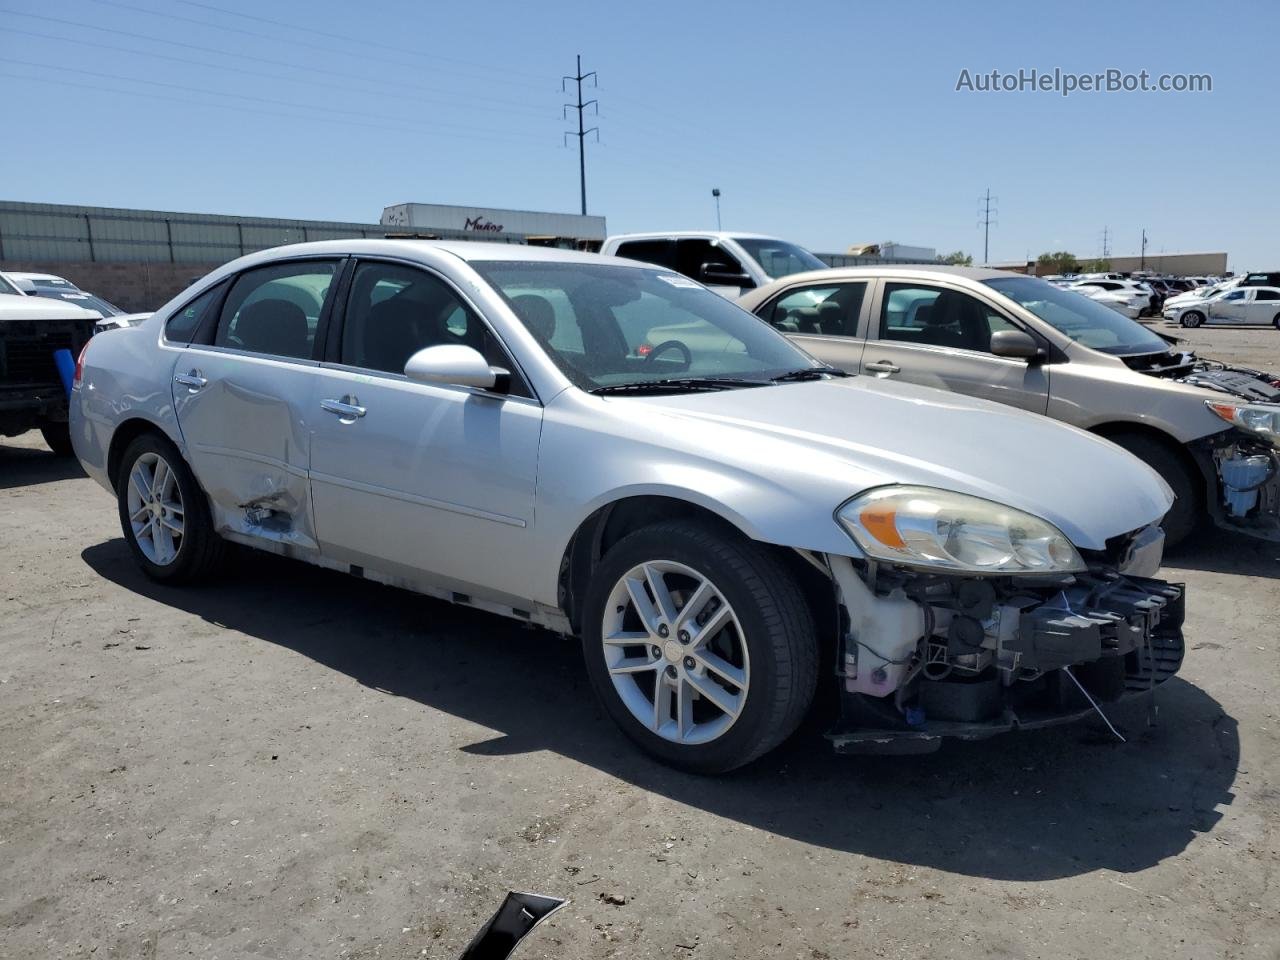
x=274, y=62
x=582, y=133
x=987, y=213
x=292, y=39
x=242, y=96
x=188, y=102
x=244, y=71
x=293, y=27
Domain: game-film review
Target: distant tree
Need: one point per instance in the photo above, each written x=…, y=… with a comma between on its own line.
x=1059, y=262
x=958, y=259
x=1095, y=266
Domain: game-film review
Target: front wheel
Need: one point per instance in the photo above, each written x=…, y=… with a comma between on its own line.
x=164, y=514
x=1192, y=318
x=700, y=645
x=1188, y=508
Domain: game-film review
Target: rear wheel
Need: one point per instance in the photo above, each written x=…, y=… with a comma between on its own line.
x=700, y=645
x=1276, y=321
x=1187, y=511
x=58, y=437
x=1192, y=318
x=164, y=514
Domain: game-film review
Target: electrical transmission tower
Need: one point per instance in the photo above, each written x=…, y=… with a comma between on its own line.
x=580, y=106
x=987, y=214
x=1106, y=243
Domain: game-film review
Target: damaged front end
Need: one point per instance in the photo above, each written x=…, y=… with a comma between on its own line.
x=925, y=656
x=1242, y=464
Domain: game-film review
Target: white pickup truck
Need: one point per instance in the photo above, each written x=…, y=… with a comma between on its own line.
x=728, y=263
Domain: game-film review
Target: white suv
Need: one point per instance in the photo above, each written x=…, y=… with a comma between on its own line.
x=728, y=263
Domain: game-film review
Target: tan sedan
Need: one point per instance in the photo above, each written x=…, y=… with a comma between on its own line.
x=1210, y=430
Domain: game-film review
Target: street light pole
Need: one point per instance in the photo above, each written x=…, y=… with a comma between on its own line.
x=715, y=192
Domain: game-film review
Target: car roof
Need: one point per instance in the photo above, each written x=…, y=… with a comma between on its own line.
x=16, y=307
x=676, y=234
x=471, y=251
x=921, y=271
x=38, y=276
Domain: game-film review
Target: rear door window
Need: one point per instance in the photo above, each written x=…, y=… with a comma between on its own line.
x=276, y=310
x=825, y=310
x=661, y=252
x=181, y=327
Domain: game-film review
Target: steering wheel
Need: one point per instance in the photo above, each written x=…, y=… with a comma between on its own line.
x=671, y=345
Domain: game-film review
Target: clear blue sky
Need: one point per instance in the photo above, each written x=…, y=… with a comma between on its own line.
x=825, y=122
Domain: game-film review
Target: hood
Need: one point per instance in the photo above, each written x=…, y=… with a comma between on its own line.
x=837, y=438
x=15, y=307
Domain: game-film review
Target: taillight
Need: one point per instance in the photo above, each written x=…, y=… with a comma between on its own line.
x=75, y=382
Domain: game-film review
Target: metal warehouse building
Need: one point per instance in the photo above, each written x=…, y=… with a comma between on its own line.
x=138, y=259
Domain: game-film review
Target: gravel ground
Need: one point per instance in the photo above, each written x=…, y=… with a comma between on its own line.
x=294, y=763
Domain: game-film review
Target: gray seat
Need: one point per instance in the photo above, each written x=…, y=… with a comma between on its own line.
x=537, y=314
x=274, y=326
x=396, y=329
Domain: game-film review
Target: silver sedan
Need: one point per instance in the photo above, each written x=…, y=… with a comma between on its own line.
x=724, y=521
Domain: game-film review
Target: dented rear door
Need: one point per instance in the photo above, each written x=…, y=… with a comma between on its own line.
x=242, y=402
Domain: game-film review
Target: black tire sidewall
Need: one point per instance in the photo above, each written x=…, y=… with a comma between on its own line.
x=57, y=437
x=1187, y=512
x=197, y=527
x=686, y=545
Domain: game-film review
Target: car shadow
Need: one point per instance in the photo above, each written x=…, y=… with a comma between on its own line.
x=1033, y=806
x=26, y=466
x=1214, y=550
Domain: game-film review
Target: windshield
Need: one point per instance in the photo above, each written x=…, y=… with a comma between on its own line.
x=1081, y=318
x=52, y=283
x=778, y=258
x=80, y=299
x=606, y=325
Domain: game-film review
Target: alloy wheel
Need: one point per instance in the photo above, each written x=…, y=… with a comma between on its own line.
x=675, y=652
x=156, y=512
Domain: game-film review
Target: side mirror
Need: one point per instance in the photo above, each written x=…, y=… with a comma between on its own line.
x=1017, y=344
x=723, y=276
x=456, y=365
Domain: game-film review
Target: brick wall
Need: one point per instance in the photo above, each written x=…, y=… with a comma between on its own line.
x=133, y=287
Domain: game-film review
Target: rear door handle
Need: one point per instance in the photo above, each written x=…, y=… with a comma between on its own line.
x=882, y=366
x=346, y=409
x=192, y=381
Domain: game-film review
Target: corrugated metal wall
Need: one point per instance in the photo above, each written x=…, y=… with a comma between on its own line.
x=58, y=232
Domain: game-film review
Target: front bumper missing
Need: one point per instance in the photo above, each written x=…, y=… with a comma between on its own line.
x=1121, y=637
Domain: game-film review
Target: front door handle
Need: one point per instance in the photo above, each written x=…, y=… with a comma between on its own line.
x=882, y=366
x=347, y=409
x=192, y=381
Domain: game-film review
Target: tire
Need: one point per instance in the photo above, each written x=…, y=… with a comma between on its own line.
x=762, y=635
x=58, y=438
x=1192, y=318
x=1187, y=512
x=1275, y=321
x=196, y=551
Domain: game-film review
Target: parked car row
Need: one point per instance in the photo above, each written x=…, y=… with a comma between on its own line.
x=483, y=423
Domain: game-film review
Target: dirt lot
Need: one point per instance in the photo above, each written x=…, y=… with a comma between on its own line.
x=293, y=763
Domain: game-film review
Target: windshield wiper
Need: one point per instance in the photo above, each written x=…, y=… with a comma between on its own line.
x=808, y=373
x=679, y=385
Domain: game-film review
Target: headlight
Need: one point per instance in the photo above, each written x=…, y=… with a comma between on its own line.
x=921, y=526
x=1258, y=418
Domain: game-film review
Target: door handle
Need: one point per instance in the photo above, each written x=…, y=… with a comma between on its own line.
x=192, y=381
x=347, y=409
x=882, y=366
